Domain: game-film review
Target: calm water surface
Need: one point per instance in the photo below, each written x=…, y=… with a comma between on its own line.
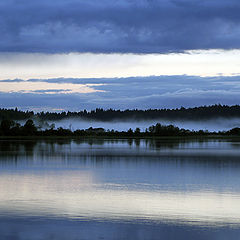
x=119, y=189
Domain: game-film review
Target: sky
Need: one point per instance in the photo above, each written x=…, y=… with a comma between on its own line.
x=78, y=54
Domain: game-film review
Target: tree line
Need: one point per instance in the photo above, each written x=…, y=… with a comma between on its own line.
x=196, y=113
x=12, y=128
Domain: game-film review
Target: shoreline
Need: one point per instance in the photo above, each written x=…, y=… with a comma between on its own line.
x=119, y=137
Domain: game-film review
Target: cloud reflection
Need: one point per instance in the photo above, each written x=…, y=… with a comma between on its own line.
x=78, y=195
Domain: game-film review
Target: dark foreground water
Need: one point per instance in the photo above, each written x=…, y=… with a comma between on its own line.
x=119, y=189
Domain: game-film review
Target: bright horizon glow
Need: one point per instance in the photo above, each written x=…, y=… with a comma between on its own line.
x=49, y=88
x=88, y=65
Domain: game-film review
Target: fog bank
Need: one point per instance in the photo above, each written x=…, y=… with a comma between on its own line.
x=220, y=124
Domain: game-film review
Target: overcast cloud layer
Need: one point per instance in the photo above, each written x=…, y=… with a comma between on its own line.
x=124, y=26
x=121, y=93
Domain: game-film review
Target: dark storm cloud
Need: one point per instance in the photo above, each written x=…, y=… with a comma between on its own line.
x=133, y=92
x=124, y=26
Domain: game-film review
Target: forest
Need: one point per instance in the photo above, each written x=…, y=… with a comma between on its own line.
x=196, y=113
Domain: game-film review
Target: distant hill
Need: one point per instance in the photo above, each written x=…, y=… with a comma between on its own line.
x=196, y=113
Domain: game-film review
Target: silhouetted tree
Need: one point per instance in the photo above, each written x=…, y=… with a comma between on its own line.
x=137, y=131
x=129, y=132
x=29, y=128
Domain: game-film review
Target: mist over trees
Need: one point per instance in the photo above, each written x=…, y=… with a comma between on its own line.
x=11, y=128
x=196, y=113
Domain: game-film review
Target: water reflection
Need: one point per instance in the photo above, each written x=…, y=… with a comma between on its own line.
x=77, y=195
x=184, y=151
x=170, y=183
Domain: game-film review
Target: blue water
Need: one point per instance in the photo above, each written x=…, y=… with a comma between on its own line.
x=119, y=189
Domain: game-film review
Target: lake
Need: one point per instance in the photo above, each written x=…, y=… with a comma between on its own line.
x=120, y=189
